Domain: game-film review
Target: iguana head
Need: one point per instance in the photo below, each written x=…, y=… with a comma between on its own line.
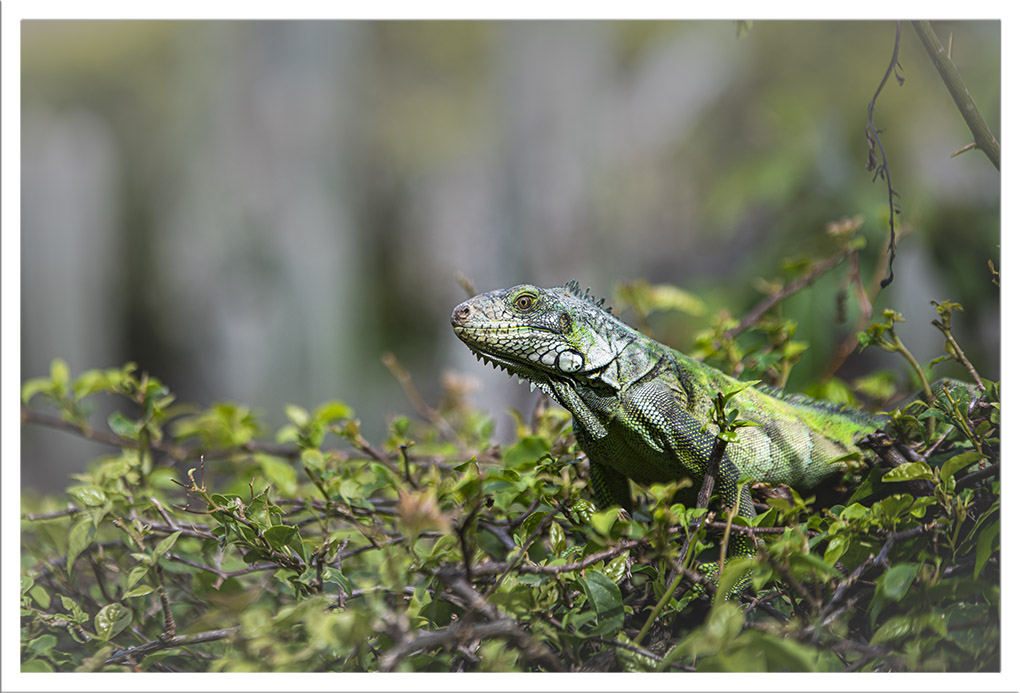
x=542, y=334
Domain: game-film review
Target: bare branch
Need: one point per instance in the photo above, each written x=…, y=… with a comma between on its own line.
x=883, y=169
x=983, y=137
x=168, y=643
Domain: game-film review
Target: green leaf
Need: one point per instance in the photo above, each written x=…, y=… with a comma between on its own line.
x=60, y=374
x=838, y=546
x=167, y=543
x=139, y=591
x=603, y=521
x=605, y=597
x=867, y=486
x=90, y=382
x=896, y=581
x=854, y=511
x=896, y=628
x=43, y=644
x=894, y=506
x=279, y=536
x=33, y=387
x=298, y=415
x=111, y=619
x=557, y=539
x=616, y=569
x=79, y=538
x=333, y=410
x=985, y=546
x=136, y=574
x=41, y=596
x=909, y=472
x=975, y=637
x=88, y=495
x=288, y=433
x=954, y=464
x=527, y=450
x=34, y=666
x=279, y=473
x=123, y=426
x=919, y=507
x=313, y=460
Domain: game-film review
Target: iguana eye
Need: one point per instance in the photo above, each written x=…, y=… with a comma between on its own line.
x=524, y=302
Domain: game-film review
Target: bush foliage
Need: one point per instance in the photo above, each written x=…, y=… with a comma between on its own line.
x=201, y=545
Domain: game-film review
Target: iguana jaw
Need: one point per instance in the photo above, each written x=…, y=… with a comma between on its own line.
x=533, y=376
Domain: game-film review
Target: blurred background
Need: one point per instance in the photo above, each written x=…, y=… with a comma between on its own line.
x=256, y=211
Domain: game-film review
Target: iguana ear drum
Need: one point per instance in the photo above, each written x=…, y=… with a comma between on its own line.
x=569, y=361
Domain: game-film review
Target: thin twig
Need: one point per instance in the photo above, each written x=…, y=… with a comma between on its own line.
x=793, y=287
x=883, y=169
x=417, y=401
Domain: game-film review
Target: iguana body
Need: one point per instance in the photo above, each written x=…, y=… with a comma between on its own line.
x=640, y=409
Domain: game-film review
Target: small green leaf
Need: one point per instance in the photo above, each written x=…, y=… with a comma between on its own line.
x=123, y=426
x=728, y=436
x=617, y=568
x=88, y=495
x=139, y=591
x=557, y=539
x=527, y=450
x=298, y=415
x=288, y=433
x=919, y=507
x=961, y=461
x=41, y=596
x=838, y=546
x=36, y=666
x=279, y=536
x=985, y=546
x=313, y=460
x=90, y=382
x=897, y=580
x=111, y=619
x=136, y=574
x=909, y=472
x=603, y=521
x=279, y=473
x=33, y=387
x=167, y=543
x=60, y=374
x=895, y=628
x=333, y=410
x=585, y=509
x=79, y=539
x=605, y=597
x=43, y=644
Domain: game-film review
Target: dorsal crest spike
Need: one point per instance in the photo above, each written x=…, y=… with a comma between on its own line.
x=574, y=288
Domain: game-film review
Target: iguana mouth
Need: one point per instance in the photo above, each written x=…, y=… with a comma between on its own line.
x=512, y=366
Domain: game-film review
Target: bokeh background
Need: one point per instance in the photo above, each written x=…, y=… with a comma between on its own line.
x=256, y=211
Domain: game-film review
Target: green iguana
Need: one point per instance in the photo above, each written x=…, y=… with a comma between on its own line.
x=642, y=410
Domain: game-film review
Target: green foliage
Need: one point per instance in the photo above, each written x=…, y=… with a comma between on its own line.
x=199, y=545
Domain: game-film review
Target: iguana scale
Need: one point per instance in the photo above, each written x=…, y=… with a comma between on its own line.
x=641, y=409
